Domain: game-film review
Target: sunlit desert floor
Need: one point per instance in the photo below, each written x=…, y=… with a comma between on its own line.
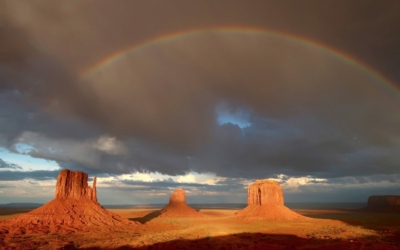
x=219, y=229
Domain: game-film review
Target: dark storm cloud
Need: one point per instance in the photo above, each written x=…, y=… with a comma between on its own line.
x=295, y=151
x=90, y=171
x=14, y=49
x=18, y=115
x=311, y=113
x=89, y=156
x=4, y=164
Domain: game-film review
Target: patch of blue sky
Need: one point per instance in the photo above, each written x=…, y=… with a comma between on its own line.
x=27, y=162
x=23, y=148
x=238, y=116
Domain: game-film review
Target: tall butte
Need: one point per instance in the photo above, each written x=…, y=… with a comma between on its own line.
x=74, y=209
x=265, y=201
x=74, y=185
x=177, y=206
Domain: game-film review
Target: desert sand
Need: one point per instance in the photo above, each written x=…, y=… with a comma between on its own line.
x=75, y=220
x=220, y=229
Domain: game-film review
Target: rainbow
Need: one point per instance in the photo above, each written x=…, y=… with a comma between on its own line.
x=243, y=29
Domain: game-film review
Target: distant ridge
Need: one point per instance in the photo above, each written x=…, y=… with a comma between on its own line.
x=383, y=203
x=325, y=205
x=21, y=205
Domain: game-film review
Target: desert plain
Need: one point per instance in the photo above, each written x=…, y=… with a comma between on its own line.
x=75, y=220
x=219, y=229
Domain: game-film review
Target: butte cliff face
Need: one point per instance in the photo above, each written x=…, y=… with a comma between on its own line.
x=74, y=209
x=265, y=192
x=178, y=197
x=265, y=201
x=177, y=206
x=384, y=203
x=74, y=185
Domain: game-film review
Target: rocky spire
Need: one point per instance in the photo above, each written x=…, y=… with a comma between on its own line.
x=73, y=185
x=178, y=197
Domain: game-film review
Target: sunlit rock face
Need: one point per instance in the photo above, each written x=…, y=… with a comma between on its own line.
x=264, y=192
x=265, y=202
x=384, y=203
x=74, y=185
x=178, y=196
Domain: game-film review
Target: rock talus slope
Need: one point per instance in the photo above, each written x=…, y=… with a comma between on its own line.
x=177, y=206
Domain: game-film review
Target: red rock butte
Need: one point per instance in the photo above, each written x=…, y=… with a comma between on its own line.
x=74, y=209
x=383, y=203
x=178, y=196
x=74, y=185
x=265, y=201
x=177, y=206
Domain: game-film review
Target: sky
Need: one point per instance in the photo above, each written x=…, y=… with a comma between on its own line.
x=205, y=95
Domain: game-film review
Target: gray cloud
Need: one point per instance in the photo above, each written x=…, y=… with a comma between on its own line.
x=22, y=175
x=7, y=186
x=4, y=164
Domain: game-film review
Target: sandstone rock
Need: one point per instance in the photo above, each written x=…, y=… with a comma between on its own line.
x=177, y=206
x=384, y=203
x=73, y=185
x=74, y=209
x=178, y=196
x=264, y=192
x=265, y=201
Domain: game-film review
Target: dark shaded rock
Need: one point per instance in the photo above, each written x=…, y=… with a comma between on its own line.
x=383, y=203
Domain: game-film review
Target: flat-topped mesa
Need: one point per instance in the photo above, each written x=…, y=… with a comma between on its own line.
x=264, y=192
x=73, y=185
x=265, y=202
x=178, y=197
x=384, y=202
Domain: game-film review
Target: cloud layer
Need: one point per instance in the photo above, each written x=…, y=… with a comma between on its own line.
x=310, y=112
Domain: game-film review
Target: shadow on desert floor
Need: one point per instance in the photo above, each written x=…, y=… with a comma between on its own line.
x=150, y=216
x=147, y=217
x=267, y=241
x=369, y=220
